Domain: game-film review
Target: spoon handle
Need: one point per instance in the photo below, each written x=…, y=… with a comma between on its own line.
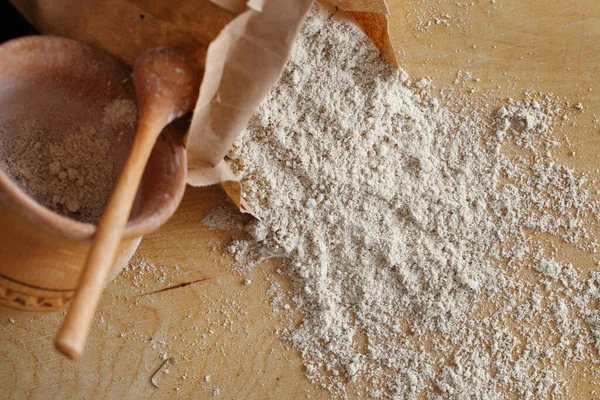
x=73, y=333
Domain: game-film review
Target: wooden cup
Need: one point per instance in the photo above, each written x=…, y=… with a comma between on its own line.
x=61, y=83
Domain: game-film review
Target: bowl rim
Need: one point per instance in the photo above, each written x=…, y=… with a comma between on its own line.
x=19, y=202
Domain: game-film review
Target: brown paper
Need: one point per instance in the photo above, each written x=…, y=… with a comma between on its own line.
x=242, y=65
x=235, y=6
x=372, y=17
x=376, y=26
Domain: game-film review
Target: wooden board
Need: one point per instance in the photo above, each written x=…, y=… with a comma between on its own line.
x=213, y=324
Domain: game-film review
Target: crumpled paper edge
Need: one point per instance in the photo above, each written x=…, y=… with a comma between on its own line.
x=224, y=176
x=237, y=6
x=242, y=64
x=373, y=18
x=376, y=27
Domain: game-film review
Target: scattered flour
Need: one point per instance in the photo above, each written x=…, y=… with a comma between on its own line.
x=225, y=217
x=120, y=111
x=415, y=236
x=145, y=273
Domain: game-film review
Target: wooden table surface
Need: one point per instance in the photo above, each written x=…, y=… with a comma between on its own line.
x=192, y=310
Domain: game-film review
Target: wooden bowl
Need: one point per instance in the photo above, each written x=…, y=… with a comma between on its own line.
x=61, y=83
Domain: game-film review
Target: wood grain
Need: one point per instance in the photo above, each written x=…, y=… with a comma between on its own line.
x=213, y=326
x=217, y=326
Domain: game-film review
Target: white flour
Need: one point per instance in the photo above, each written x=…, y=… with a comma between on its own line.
x=224, y=217
x=407, y=233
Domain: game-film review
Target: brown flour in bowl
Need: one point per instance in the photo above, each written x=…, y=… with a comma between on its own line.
x=73, y=174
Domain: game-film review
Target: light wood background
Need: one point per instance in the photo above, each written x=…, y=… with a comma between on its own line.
x=207, y=320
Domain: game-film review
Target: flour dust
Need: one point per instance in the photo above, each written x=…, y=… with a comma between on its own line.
x=412, y=233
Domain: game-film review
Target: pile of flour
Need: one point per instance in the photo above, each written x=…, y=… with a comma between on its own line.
x=410, y=238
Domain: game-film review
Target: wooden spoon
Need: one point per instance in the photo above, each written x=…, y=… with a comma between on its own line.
x=166, y=86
